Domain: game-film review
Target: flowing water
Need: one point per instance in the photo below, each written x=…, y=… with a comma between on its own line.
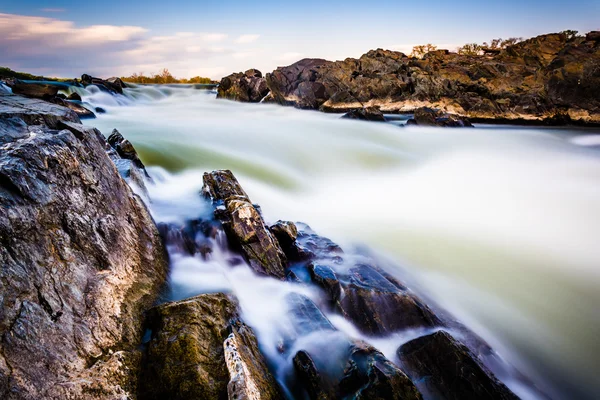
x=497, y=225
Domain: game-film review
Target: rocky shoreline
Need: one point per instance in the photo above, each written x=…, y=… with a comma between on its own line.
x=84, y=266
x=548, y=80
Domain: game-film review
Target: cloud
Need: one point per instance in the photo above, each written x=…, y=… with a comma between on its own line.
x=247, y=39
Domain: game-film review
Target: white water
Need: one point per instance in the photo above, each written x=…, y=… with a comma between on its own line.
x=497, y=225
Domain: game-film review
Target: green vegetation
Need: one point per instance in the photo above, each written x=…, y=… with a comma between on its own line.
x=164, y=76
x=7, y=73
x=421, y=50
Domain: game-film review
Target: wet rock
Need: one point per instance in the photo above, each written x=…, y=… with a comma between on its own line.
x=100, y=110
x=36, y=90
x=80, y=110
x=365, y=114
x=124, y=148
x=285, y=232
x=116, y=86
x=244, y=225
x=186, y=355
x=246, y=87
x=431, y=117
x=74, y=96
x=81, y=260
x=446, y=369
x=372, y=302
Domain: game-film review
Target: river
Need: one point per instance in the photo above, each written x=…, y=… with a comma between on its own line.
x=497, y=225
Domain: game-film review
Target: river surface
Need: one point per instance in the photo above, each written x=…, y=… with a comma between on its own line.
x=497, y=225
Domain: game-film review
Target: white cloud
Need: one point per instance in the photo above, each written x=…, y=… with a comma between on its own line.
x=247, y=38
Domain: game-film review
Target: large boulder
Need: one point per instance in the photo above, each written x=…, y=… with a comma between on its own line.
x=200, y=350
x=446, y=369
x=81, y=260
x=249, y=86
x=112, y=85
x=76, y=106
x=245, y=227
x=36, y=90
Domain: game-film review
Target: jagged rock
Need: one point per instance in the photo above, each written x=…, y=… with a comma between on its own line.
x=593, y=36
x=365, y=114
x=375, y=304
x=81, y=260
x=445, y=369
x=36, y=90
x=285, y=232
x=246, y=87
x=116, y=86
x=430, y=117
x=186, y=355
x=244, y=225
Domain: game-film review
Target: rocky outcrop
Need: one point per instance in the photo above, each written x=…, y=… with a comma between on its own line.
x=531, y=81
x=365, y=114
x=38, y=90
x=199, y=350
x=429, y=117
x=249, y=86
x=76, y=106
x=245, y=227
x=81, y=259
x=446, y=369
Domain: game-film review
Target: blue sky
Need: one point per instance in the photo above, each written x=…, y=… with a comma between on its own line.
x=67, y=38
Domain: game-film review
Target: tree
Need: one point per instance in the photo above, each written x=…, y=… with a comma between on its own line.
x=471, y=49
x=570, y=34
x=421, y=50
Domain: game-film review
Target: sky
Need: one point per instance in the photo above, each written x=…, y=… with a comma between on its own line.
x=215, y=38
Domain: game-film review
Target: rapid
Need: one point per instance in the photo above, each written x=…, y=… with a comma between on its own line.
x=497, y=225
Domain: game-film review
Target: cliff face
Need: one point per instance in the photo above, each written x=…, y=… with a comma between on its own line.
x=80, y=256
x=549, y=76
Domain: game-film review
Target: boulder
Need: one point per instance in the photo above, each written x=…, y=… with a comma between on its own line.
x=249, y=86
x=200, y=350
x=114, y=86
x=36, y=90
x=376, y=305
x=74, y=96
x=81, y=260
x=431, y=117
x=593, y=36
x=246, y=230
x=446, y=369
x=365, y=114
x=125, y=149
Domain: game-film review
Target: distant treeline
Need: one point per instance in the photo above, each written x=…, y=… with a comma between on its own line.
x=6, y=73
x=164, y=76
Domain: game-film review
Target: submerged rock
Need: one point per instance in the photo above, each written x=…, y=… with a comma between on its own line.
x=446, y=369
x=198, y=347
x=249, y=86
x=245, y=227
x=81, y=260
x=365, y=114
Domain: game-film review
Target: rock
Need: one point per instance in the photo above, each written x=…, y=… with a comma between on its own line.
x=244, y=225
x=593, y=36
x=80, y=110
x=117, y=82
x=246, y=87
x=100, y=110
x=430, y=117
x=34, y=112
x=116, y=86
x=365, y=114
x=526, y=82
x=81, y=260
x=285, y=232
x=445, y=369
x=375, y=304
x=36, y=90
x=74, y=96
x=124, y=148
x=186, y=355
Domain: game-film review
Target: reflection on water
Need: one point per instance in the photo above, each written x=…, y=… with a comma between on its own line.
x=499, y=226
